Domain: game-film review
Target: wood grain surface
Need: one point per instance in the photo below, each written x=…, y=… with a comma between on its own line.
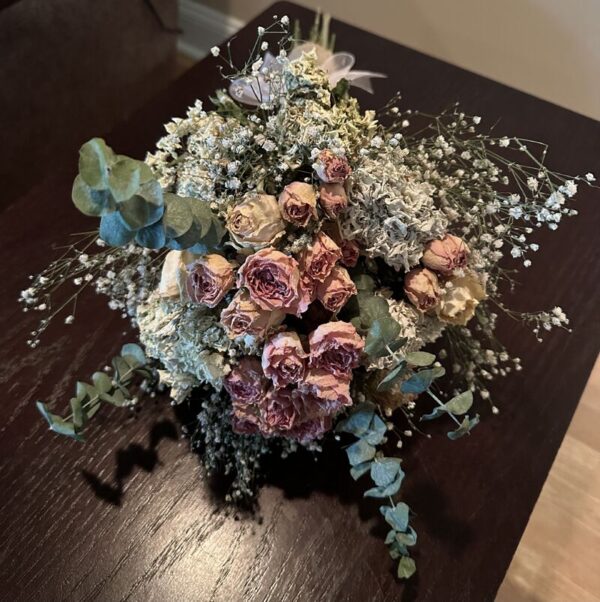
x=129, y=516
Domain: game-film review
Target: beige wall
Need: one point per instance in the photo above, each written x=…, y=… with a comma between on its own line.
x=549, y=48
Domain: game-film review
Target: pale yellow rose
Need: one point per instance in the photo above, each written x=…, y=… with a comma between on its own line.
x=459, y=299
x=256, y=222
x=173, y=275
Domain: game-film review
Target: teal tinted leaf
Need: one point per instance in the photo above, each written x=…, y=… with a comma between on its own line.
x=78, y=413
x=114, y=231
x=188, y=241
x=364, y=282
x=387, y=491
x=90, y=201
x=102, y=382
x=383, y=331
x=465, y=427
x=360, y=452
x=435, y=413
x=152, y=237
x=460, y=404
x=124, y=179
x=376, y=432
x=420, y=358
x=94, y=160
x=396, y=517
x=407, y=539
x=420, y=381
x=203, y=215
x=384, y=471
x=57, y=424
x=122, y=368
x=406, y=567
x=397, y=344
x=218, y=229
x=358, y=422
x=372, y=308
x=390, y=537
x=359, y=470
x=137, y=212
x=134, y=355
x=178, y=217
x=391, y=377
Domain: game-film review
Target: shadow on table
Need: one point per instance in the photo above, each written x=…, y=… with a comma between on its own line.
x=128, y=459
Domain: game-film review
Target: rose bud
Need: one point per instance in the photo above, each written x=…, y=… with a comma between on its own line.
x=244, y=317
x=298, y=203
x=445, y=255
x=319, y=258
x=335, y=347
x=333, y=199
x=209, y=278
x=460, y=298
x=174, y=274
x=273, y=281
x=332, y=169
x=281, y=413
x=422, y=289
x=256, y=222
x=284, y=359
x=350, y=253
x=336, y=289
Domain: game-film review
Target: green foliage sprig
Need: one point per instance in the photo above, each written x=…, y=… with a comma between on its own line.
x=133, y=207
x=131, y=363
x=387, y=475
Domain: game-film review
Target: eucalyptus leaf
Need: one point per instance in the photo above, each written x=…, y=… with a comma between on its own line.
x=58, y=424
x=384, y=471
x=134, y=355
x=124, y=179
x=388, y=490
x=376, y=432
x=94, y=160
x=465, y=427
x=114, y=231
x=138, y=212
x=359, y=470
x=407, y=539
x=397, y=516
x=420, y=381
x=102, y=382
x=202, y=214
x=392, y=376
x=152, y=237
x=363, y=282
x=420, y=358
x=435, y=413
x=359, y=421
x=360, y=452
x=178, y=217
x=383, y=331
x=78, y=413
x=460, y=404
x=91, y=201
x=406, y=567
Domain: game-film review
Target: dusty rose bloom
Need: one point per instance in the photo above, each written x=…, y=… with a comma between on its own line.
x=284, y=359
x=244, y=317
x=332, y=169
x=273, y=281
x=209, y=278
x=333, y=199
x=324, y=393
x=446, y=255
x=256, y=222
x=243, y=426
x=422, y=289
x=281, y=412
x=336, y=289
x=310, y=430
x=246, y=383
x=298, y=203
x=460, y=298
x=336, y=348
x=350, y=253
x=318, y=260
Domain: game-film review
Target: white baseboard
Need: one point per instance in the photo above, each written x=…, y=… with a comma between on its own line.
x=203, y=28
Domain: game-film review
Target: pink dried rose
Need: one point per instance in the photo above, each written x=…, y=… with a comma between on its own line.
x=255, y=222
x=446, y=255
x=350, y=253
x=244, y=317
x=310, y=430
x=335, y=347
x=324, y=393
x=333, y=199
x=298, y=203
x=332, y=169
x=209, y=279
x=284, y=359
x=422, y=289
x=336, y=289
x=318, y=260
x=281, y=413
x=243, y=426
x=246, y=384
x=273, y=281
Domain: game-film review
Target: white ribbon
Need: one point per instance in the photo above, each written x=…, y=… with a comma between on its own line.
x=255, y=90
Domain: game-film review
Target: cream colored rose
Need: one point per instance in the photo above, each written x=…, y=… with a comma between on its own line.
x=256, y=222
x=173, y=275
x=459, y=299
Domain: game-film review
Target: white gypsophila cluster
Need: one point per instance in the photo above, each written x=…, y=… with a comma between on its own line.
x=188, y=341
x=392, y=212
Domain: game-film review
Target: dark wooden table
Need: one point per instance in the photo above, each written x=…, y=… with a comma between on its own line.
x=129, y=515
